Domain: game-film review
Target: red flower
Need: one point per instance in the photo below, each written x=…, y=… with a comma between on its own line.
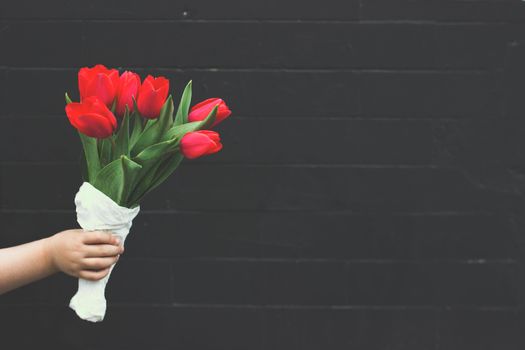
x=98, y=81
x=128, y=87
x=91, y=117
x=201, y=110
x=200, y=143
x=152, y=95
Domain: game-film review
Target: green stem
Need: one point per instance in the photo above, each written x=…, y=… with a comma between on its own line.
x=89, y=145
x=113, y=147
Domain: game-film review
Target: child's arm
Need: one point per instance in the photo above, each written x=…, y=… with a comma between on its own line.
x=87, y=255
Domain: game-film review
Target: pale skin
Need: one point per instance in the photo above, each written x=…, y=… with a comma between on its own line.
x=83, y=254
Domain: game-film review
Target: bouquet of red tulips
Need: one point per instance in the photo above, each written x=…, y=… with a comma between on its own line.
x=132, y=141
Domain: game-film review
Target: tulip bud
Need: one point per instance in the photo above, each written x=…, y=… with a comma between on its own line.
x=201, y=110
x=200, y=143
x=98, y=81
x=128, y=88
x=152, y=95
x=91, y=117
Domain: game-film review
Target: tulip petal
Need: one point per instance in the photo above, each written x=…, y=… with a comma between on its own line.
x=91, y=117
x=199, y=143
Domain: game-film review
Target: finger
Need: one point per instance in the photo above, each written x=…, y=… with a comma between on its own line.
x=102, y=250
x=93, y=275
x=100, y=237
x=98, y=263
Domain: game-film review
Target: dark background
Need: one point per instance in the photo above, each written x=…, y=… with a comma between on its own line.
x=369, y=194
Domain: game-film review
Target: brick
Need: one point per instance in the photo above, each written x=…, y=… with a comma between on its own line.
x=395, y=46
x=259, y=283
x=296, y=329
x=493, y=143
x=470, y=46
x=431, y=95
x=326, y=142
x=218, y=282
x=398, y=10
x=444, y=11
x=305, y=283
x=481, y=11
x=50, y=85
x=139, y=281
x=20, y=138
x=514, y=80
x=195, y=235
x=481, y=329
x=38, y=44
x=4, y=39
x=439, y=284
x=405, y=237
x=3, y=91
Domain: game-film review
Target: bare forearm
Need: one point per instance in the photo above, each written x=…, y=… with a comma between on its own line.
x=79, y=253
x=25, y=263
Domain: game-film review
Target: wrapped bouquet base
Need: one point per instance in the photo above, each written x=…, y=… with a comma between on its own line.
x=96, y=211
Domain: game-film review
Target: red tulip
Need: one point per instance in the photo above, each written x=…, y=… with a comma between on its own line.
x=152, y=95
x=200, y=143
x=128, y=87
x=91, y=117
x=201, y=110
x=98, y=81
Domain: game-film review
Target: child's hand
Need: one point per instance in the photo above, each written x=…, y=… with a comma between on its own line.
x=84, y=254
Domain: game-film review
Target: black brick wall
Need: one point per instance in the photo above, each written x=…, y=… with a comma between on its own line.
x=369, y=195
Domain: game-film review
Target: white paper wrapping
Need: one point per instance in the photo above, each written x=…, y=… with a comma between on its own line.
x=97, y=212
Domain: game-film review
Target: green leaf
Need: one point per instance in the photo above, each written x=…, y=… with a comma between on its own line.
x=131, y=174
x=137, y=124
x=68, y=100
x=210, y=119
x=89, y=144
x=184, y=106
x=122, y=138
x=149, y=168
x=156, y=150
x=83, y=167
x=117, y=179
x=150, y=159
x=105, y=151
x=156, y=176
x=154, y=130
x=178, y=131
x=165, y=170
